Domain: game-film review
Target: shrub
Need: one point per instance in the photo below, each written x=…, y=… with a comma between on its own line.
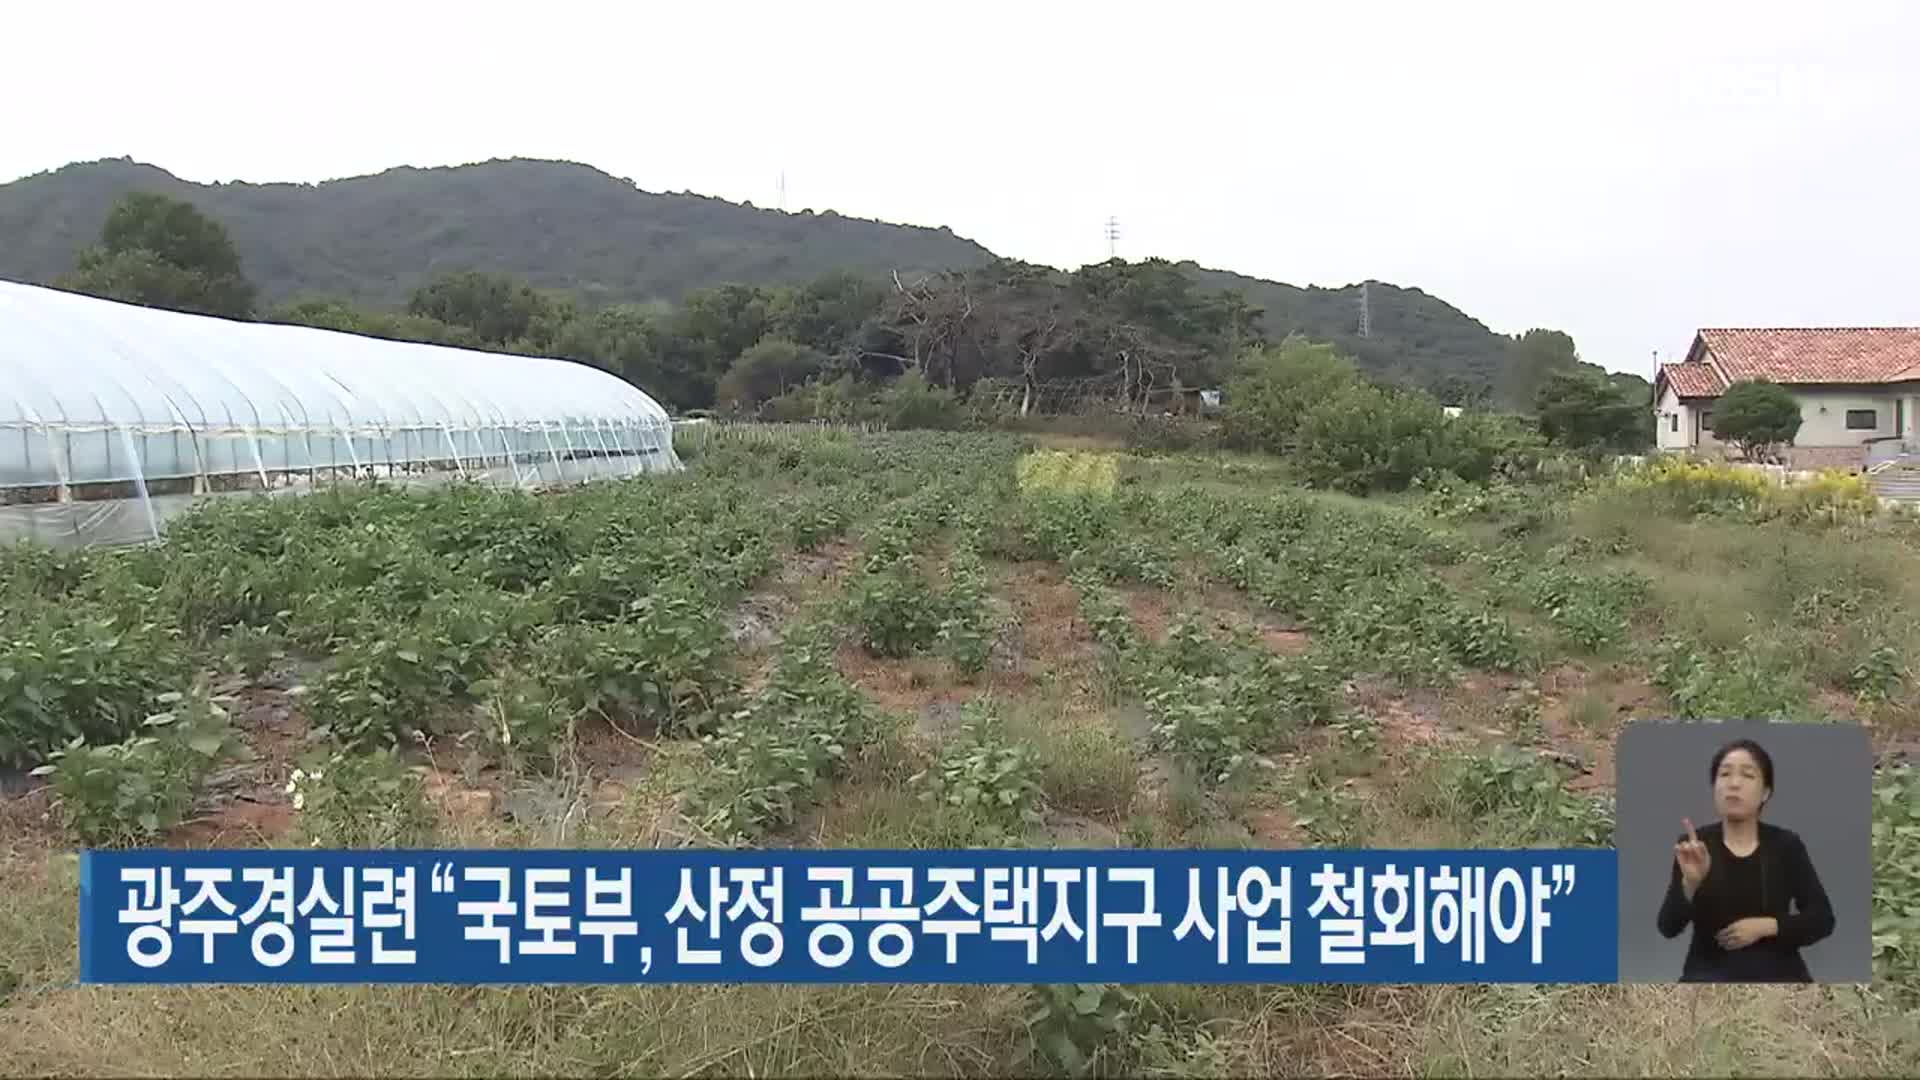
x=767, y=760
x=72, y=672
x=250, y=650
x=983, y=771
x=813, y=522
x=377, y=693
x=1277, y=386
x=1218, y=705
x=29, y=569
x=1113, y=626
x=966, y=623
x=913, y=402
x=895, y=610
x=1482, y=446
x=135, y=790
x=1199, y=721
x=1134, y=558
x=768, y=369
x=665, y=665
x=1367, y=438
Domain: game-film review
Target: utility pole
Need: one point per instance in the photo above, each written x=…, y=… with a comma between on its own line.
x=1366, y=312
x=1113, y=236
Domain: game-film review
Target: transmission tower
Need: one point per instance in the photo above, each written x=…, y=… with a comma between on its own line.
x=1113, y=236
x=783, y=189
x=1366, y=312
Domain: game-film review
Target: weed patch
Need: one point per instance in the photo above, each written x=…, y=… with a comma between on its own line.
x=1510, y=797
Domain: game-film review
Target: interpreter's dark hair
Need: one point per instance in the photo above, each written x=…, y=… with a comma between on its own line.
x=1760, y=758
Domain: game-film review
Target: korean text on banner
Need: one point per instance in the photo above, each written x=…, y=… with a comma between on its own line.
x=978, y=916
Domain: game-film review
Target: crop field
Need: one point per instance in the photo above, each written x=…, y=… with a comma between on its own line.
x=913, y=639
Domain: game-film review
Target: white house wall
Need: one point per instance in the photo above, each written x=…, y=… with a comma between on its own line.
x=1823, y=416
x=1670, y=408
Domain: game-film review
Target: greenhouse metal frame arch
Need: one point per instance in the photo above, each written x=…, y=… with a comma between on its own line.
x=115, y=417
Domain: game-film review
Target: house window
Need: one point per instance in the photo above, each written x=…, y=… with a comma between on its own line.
x=1706, y=421
x=1862, y=419
x=1673, y=422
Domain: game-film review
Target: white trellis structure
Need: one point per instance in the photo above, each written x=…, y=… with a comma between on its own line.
x=1092, y=395
x=114, y=417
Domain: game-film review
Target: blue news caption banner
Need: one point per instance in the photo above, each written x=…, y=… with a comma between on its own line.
x=790, y=916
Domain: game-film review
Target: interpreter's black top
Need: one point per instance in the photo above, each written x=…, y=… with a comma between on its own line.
x=1777, y=874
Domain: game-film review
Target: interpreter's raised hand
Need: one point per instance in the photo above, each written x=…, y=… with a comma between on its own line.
x=1694, y=860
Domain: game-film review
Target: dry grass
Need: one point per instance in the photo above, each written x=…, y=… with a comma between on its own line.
x=487, y=1031
x=1663, y=1031
x=1086, y=767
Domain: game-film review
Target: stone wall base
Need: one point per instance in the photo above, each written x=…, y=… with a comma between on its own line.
x=1795, y=458
x=1849, y=458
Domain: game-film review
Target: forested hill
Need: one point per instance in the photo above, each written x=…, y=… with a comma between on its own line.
x=1412, y=337
x=372, y=241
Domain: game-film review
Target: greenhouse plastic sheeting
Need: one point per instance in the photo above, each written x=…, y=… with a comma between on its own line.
x=107, y=401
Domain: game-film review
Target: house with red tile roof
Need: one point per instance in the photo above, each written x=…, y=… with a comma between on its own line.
x=1858, y=388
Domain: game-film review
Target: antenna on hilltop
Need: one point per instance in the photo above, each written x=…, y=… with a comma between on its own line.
x=1366, y=312
x=783, y=189
x=1113, y=235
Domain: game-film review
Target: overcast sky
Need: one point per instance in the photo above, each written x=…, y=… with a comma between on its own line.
x=1626, y=172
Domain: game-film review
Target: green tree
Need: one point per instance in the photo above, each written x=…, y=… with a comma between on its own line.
x=769, y=369
x=1453, y=388
x=1165, y=307
x=1371, y=438
x=694, y=347
x=500, y=310
x=1365, y=437
x=1586, y=411
x=619, y=339
x=1532, y=359
x=1277, y=385
x=827, y=313
x=1756, y=417
x=162, y=252
x=340, y=315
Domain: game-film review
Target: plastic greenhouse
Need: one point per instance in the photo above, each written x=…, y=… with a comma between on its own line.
x=115, y=417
